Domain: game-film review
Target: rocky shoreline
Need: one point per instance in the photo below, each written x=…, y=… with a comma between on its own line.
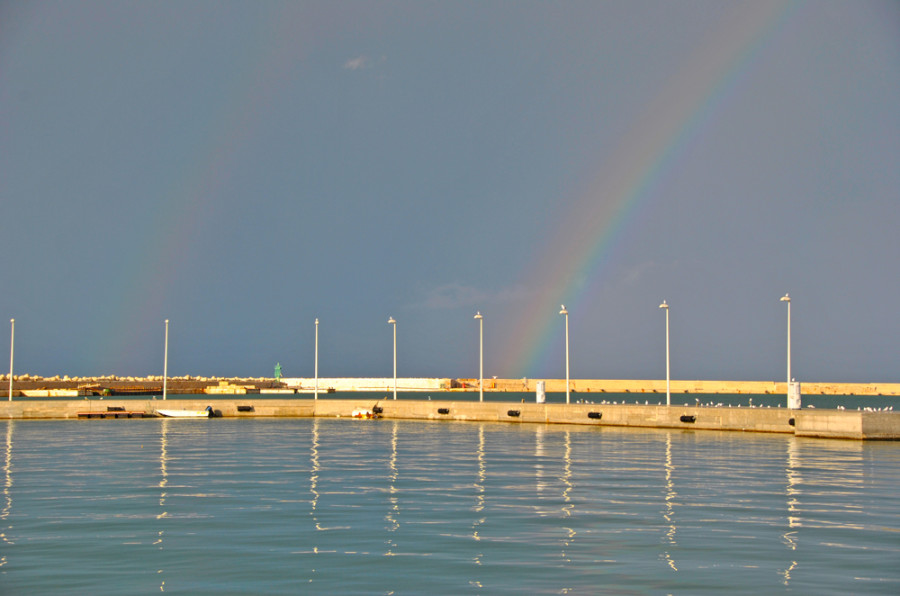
x=115, y=385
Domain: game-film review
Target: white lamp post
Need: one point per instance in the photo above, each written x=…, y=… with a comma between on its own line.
x=565, y=312
x=391, y=321
x=480, y=355
x=316, y=368
x=12, y=345
x=668, y=391
x=787, y=298
x=166, y=360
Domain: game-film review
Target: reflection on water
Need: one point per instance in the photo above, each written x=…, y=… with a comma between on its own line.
x=314, y=473
x=568, y=505
x=163, y=483
x=669, y=514
x=7, y=494
x=478, y=509
x=324, y=505
x=394, y=500
x=793, y=521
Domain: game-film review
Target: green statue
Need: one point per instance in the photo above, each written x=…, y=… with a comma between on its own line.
x=277, y=371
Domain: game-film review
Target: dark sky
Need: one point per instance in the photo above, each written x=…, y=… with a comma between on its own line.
x=242, y=168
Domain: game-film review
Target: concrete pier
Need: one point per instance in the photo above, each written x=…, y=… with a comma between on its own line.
x=836, y=424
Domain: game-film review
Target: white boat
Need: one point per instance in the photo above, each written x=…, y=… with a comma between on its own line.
x=207, y=413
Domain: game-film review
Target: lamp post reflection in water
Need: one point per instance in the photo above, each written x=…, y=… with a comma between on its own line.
x=163, y=469
x=7, y=494
x=314, y=472
x=394, y=510
x=793, y=478
x=163, y=484
x=566, y=496
x=548, y=478
x=669, y=515
x=479, y=491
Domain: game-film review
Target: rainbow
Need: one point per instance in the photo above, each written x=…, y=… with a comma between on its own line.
x=582, y=245
x=186, y=200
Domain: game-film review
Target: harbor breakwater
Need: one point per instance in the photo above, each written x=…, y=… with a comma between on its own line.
x=837, y=424
x=31, y=386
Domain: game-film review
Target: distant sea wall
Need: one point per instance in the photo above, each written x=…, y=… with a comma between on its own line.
x=367, y=384
x=680, y=386
x=589, y=386
x=31, y=386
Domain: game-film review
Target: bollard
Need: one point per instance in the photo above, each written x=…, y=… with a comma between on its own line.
x=794, y=395
x=540, y=393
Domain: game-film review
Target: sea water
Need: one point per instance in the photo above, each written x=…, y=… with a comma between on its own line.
x=287, y=506
x=744, y=400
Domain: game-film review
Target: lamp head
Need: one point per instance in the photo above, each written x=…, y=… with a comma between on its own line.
x=786, y=298
x=563, y=311
x=664, y=305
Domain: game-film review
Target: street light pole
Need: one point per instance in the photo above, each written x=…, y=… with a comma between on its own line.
x=480, y=355
x=565, y=312
x=391, y=321
x=316, y=396
x=166, y=360
x=12, y=345
x=668, y=390
x=787, y=298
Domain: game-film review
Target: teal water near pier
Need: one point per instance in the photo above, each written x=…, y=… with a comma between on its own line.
x=850, y=402
x=278, y=506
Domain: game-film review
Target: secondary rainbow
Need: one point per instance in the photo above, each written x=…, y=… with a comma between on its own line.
x=193, y=190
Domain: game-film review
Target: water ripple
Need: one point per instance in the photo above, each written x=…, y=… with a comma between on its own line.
x=268, y=506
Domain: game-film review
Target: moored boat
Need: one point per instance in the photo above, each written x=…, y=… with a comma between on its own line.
x=364, y=413
x=207, y=413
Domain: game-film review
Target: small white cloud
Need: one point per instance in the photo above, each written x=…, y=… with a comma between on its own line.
x=357, y=63
x=456, y=295
x=636, y=273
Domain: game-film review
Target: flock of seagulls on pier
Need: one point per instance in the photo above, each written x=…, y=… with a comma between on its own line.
x=885, y=409
x=722, y=405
